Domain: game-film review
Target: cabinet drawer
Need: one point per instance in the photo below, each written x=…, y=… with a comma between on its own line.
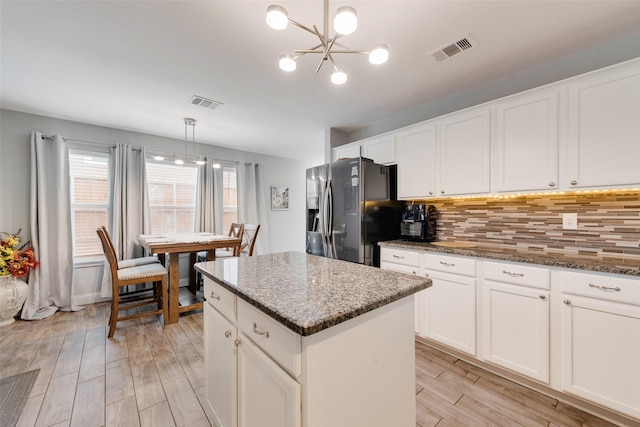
x=400, y=256
x=536, y=277
x=400, y=268
x=450, y=264
x=280, y=343
x=612, y=288
x=221, y=299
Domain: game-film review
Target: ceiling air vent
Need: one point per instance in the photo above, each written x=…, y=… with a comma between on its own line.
x=451, y=49
x=204, y=102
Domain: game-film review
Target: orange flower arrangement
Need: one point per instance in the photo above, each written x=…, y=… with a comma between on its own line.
x=15, y=260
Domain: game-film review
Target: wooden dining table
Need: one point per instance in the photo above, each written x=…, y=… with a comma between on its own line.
x=175, y=244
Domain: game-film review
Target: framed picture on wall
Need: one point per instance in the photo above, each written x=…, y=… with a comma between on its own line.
x=279, y=198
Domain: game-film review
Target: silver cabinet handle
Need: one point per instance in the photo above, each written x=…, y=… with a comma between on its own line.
x=574, y=182
x=236, y=342
x=447, y=264
x=604, y=288
x=568, y=302
x=512, y=274
x=398, y=257
x=543, y=297
x=259, y=332
x=227, y=334
x=214, y=296
x=552, y=184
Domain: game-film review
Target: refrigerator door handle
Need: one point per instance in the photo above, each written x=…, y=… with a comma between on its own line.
x=329, y=219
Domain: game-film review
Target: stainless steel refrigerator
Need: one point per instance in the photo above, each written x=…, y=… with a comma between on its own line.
x=351, y=207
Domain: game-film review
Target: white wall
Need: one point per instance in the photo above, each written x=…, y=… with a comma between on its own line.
x=286, y=228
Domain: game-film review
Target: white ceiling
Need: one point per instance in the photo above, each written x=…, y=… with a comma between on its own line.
x=134, y=65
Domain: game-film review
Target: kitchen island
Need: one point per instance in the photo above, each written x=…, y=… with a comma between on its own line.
x=298, y=340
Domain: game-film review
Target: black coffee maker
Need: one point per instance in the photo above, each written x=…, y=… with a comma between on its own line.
x=418, y=223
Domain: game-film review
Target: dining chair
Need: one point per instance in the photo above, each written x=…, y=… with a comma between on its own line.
x=235, y=230
x=122, y=300
x=132, y=262
x=249, y=239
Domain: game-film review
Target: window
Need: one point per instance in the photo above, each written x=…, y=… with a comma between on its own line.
x=229, y=196
x=172, y=197
x=89, y=173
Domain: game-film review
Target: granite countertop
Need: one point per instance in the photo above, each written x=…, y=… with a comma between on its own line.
x=308, y=293
x=627, y=267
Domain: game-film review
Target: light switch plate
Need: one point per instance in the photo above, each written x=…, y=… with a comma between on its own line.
x=569, y=221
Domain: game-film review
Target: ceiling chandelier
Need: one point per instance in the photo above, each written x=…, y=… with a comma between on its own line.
x=344, y=23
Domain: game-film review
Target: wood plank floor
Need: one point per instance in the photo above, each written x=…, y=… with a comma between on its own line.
x=148, y=375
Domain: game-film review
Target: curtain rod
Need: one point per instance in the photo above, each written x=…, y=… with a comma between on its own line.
x=149, y=152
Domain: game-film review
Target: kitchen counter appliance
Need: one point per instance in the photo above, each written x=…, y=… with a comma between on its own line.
x=418, y=223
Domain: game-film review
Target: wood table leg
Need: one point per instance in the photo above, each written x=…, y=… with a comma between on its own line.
x=211, y=255
x=193, y=285
x=174, y=285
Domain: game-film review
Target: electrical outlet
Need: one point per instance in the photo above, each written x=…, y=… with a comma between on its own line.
x=569, y=221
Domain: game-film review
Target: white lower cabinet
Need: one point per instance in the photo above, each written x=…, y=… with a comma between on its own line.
x=593, y=352
x=448, y=312
x=515, y=318
x=265, y=391
x=601, y=340
x=220, y=358
x=405, y=261
x=244, y=386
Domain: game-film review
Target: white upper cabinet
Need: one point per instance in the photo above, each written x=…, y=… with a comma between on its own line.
x=347, y=151
x=604, y=129
x=464, y=144
x=416, y=158
x=381, y=150
x=526, y=143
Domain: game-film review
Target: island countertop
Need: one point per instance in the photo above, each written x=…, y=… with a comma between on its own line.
x=308, y=293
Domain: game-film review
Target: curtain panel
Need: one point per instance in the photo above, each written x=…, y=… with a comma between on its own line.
x=251, y=203
x=128, y=205
x=50, y=285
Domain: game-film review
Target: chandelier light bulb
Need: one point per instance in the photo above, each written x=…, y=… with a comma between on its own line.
x=217, y=166
x=158, y=158
x=277, y=17
x=379, y=54
x=179, y=162
x=346, y=20
x=199, y=162
x=287, y=63
x=339, y=77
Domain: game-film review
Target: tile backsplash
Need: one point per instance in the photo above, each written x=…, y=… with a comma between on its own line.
x=608, y=223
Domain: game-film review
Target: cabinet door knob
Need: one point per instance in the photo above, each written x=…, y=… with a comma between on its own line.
x=568, y=302
x=214, y=296
x=431, y=193
x=259, y=332
x=604, y=288
x=543, y=297
x=414, y=272
x=574, y=182
x=236, y=342
x=227, y=334
x=442, y=191
x=552, y=184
